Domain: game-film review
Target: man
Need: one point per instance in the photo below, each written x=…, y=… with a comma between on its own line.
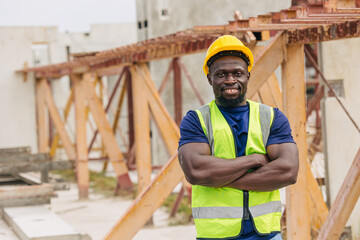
x=236, y=153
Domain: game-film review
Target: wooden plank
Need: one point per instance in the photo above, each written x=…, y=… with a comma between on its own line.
x=116, y=120
x=59, y=125
x=270, y=93
x=24, y=158
x=106, y=133
x=8, y=178
x=14, y=168
x=167, y=127
x=147, y=202
x=276, y=93
x=297, y=199
x=55, y=142
x=27, y=201
x=43, y=137
x=142, y=129
x=266, y=96
x=82, y=169
x=15, y=150
x=255, y=97
x=272, y=56
x=344, y=203
x=29, y=178
x=119, y=107
x=13, y=192
x=170, y=175
x=101, y=90
x=318, y=208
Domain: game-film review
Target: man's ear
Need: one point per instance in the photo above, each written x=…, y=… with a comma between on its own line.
x=209, y=79
x=248, y=75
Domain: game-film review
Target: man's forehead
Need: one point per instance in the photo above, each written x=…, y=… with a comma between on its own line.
x=229, y=61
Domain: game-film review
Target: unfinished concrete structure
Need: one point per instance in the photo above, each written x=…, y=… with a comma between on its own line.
x=37, y=46
x=316, y=21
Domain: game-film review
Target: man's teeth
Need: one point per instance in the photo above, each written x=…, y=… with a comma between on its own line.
x=231, y=90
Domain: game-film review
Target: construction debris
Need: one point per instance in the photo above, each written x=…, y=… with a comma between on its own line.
x=20, y=189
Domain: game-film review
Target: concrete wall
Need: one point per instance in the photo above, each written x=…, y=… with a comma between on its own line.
x=18, y=118
x=340, y=60
x=42, y=46
x=187, y=14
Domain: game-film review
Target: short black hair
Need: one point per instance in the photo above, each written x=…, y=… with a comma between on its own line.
x=228, y=53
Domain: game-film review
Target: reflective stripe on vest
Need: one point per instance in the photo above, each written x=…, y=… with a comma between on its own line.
x=235, y=212
x=218, y=212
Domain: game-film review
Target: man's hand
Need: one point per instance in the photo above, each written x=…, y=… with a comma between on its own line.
x=200, y=168
x=262, y=159
x=280, y=172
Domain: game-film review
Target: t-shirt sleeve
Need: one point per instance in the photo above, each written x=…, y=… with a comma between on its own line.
x=191, y=130
x=280, y=131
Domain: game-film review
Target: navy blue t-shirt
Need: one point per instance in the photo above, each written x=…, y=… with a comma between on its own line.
x=238, y=120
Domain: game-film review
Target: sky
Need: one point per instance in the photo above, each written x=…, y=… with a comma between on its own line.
x=68, y=15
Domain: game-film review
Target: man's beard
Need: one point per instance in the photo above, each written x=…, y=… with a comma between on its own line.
x=230, y=102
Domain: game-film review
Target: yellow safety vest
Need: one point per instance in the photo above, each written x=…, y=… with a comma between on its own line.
x=218, y=212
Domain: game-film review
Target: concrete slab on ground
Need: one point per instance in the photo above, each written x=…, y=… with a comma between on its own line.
x=98, y=214
x=38, y=222
x=6, y=232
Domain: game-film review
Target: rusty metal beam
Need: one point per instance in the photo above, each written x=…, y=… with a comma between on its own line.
x=191, y=81
x=177, y=91
x=305, y=22
x=348, y=29
x=332, y=90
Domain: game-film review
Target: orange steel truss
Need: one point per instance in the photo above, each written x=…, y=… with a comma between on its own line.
x=307, y=21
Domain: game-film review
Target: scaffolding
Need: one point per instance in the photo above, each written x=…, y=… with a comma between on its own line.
x=288, y=33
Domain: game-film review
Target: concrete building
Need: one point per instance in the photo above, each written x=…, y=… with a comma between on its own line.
x=341, y=66
x=41, y=46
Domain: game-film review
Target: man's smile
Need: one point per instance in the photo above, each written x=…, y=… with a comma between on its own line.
x=231, y=90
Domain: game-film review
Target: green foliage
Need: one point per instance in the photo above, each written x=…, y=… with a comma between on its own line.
x=99, y=182
x=183, y=215
x=102, y=184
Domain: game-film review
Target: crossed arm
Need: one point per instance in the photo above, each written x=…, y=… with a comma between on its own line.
x=277, y=169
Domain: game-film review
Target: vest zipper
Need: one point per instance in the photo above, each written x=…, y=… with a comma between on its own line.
x=246, y=205
x=246, y=212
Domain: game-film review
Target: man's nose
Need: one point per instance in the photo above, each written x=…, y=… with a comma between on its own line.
x=230, y=78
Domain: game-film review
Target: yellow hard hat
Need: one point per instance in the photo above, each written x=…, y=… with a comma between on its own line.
x=228, y=43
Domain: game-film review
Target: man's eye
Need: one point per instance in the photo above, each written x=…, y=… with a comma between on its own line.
x=239, y=74
x=220, y=75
